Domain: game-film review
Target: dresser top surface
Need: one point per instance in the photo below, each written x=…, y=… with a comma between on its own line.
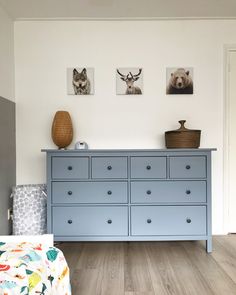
x=126, y=150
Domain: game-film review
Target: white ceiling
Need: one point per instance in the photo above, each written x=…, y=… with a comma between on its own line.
x=59, y=9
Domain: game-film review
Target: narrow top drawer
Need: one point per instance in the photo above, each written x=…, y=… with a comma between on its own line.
x=188, y=167
x=148, y=167
x=70, y=167
x=109, y=167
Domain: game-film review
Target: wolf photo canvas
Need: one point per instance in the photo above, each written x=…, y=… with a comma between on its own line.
x=80, y=81
x=129, y=81
x=179, y=80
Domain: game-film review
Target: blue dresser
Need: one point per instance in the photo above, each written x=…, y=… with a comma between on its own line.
x=129, y=195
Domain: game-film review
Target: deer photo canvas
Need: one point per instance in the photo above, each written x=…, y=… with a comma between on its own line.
x=80, y=81
x=179, y=81
x=129, y=81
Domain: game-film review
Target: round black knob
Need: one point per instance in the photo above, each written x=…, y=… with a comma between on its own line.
x=188, y=167
x=148, y=192
x=109, y=192
x=109, y=167
x=188, y=192
x=188, y=220
x=148, y=167
x=69, y=221
x=69, y=167
x=69, y=193
x=149, y=220
x=109, y=221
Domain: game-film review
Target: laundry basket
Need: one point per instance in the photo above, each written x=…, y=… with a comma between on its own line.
x=29, y=209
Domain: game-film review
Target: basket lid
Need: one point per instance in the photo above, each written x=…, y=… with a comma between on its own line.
x=182, y=128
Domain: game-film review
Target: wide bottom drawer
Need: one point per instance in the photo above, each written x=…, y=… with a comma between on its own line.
x=90, y=221
x=168, y=220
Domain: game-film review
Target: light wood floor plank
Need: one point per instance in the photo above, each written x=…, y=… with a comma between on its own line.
x=220, y=283
x=152, y=268
x=188, y=275
x=92, y=256
x=140, y=293
x=86, y=282
x=137, y=276
x=162, y=274
x=73, y=253
x=100, y=271
x=225, y=255
x=173, y=272
x=112, y=281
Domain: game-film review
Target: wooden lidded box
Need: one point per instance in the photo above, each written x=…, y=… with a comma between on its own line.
x=182, y=137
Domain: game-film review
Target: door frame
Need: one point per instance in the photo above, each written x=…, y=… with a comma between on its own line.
x=227, y=50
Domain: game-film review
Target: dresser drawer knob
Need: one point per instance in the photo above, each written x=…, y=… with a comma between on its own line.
x=109, y=192
x=69, y=193
x=148, y=167
x=109, y=167
x=188, y=192
x=69, y=221
x=70, y=168
x=109, y=221
x=188, y=220
x=188, y=167
x=149, y=221
x=149, y=192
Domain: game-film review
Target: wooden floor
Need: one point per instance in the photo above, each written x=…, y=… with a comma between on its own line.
x=148, y=268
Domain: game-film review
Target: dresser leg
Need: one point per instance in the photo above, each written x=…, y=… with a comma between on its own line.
x=209, y=245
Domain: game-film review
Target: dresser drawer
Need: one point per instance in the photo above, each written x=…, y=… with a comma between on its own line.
x=168, y=220
x=89, y=192
x=90, y=221
x=168, y=191
x=148, y=167
x=188, y=167
x=109, y=167
x=70, y=167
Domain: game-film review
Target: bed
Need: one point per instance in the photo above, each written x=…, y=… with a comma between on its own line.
x=31, y=265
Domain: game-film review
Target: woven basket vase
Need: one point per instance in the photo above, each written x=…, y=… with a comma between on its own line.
x=62, y=130
x=182, y=137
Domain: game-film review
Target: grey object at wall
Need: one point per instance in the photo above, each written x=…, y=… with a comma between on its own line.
x=29, y=209
x=129, y=195
x=7, y=161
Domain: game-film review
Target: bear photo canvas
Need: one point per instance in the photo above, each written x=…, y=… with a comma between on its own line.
x=129, y=81
x=80, y=81
x=179, y=80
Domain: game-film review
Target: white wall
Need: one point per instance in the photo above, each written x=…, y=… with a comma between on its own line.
x=7, y=83
x=44, y=50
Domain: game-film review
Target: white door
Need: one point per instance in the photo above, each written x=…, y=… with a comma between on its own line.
x=232, y=141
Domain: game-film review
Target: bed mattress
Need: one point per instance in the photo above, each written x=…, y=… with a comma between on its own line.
x=27, y=268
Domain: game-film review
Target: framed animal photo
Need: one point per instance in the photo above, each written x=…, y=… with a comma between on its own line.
x=179, y=81
x=129, y=81
x=80, y=81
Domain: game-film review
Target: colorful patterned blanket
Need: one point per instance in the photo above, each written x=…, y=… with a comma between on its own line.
x=27, y=269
